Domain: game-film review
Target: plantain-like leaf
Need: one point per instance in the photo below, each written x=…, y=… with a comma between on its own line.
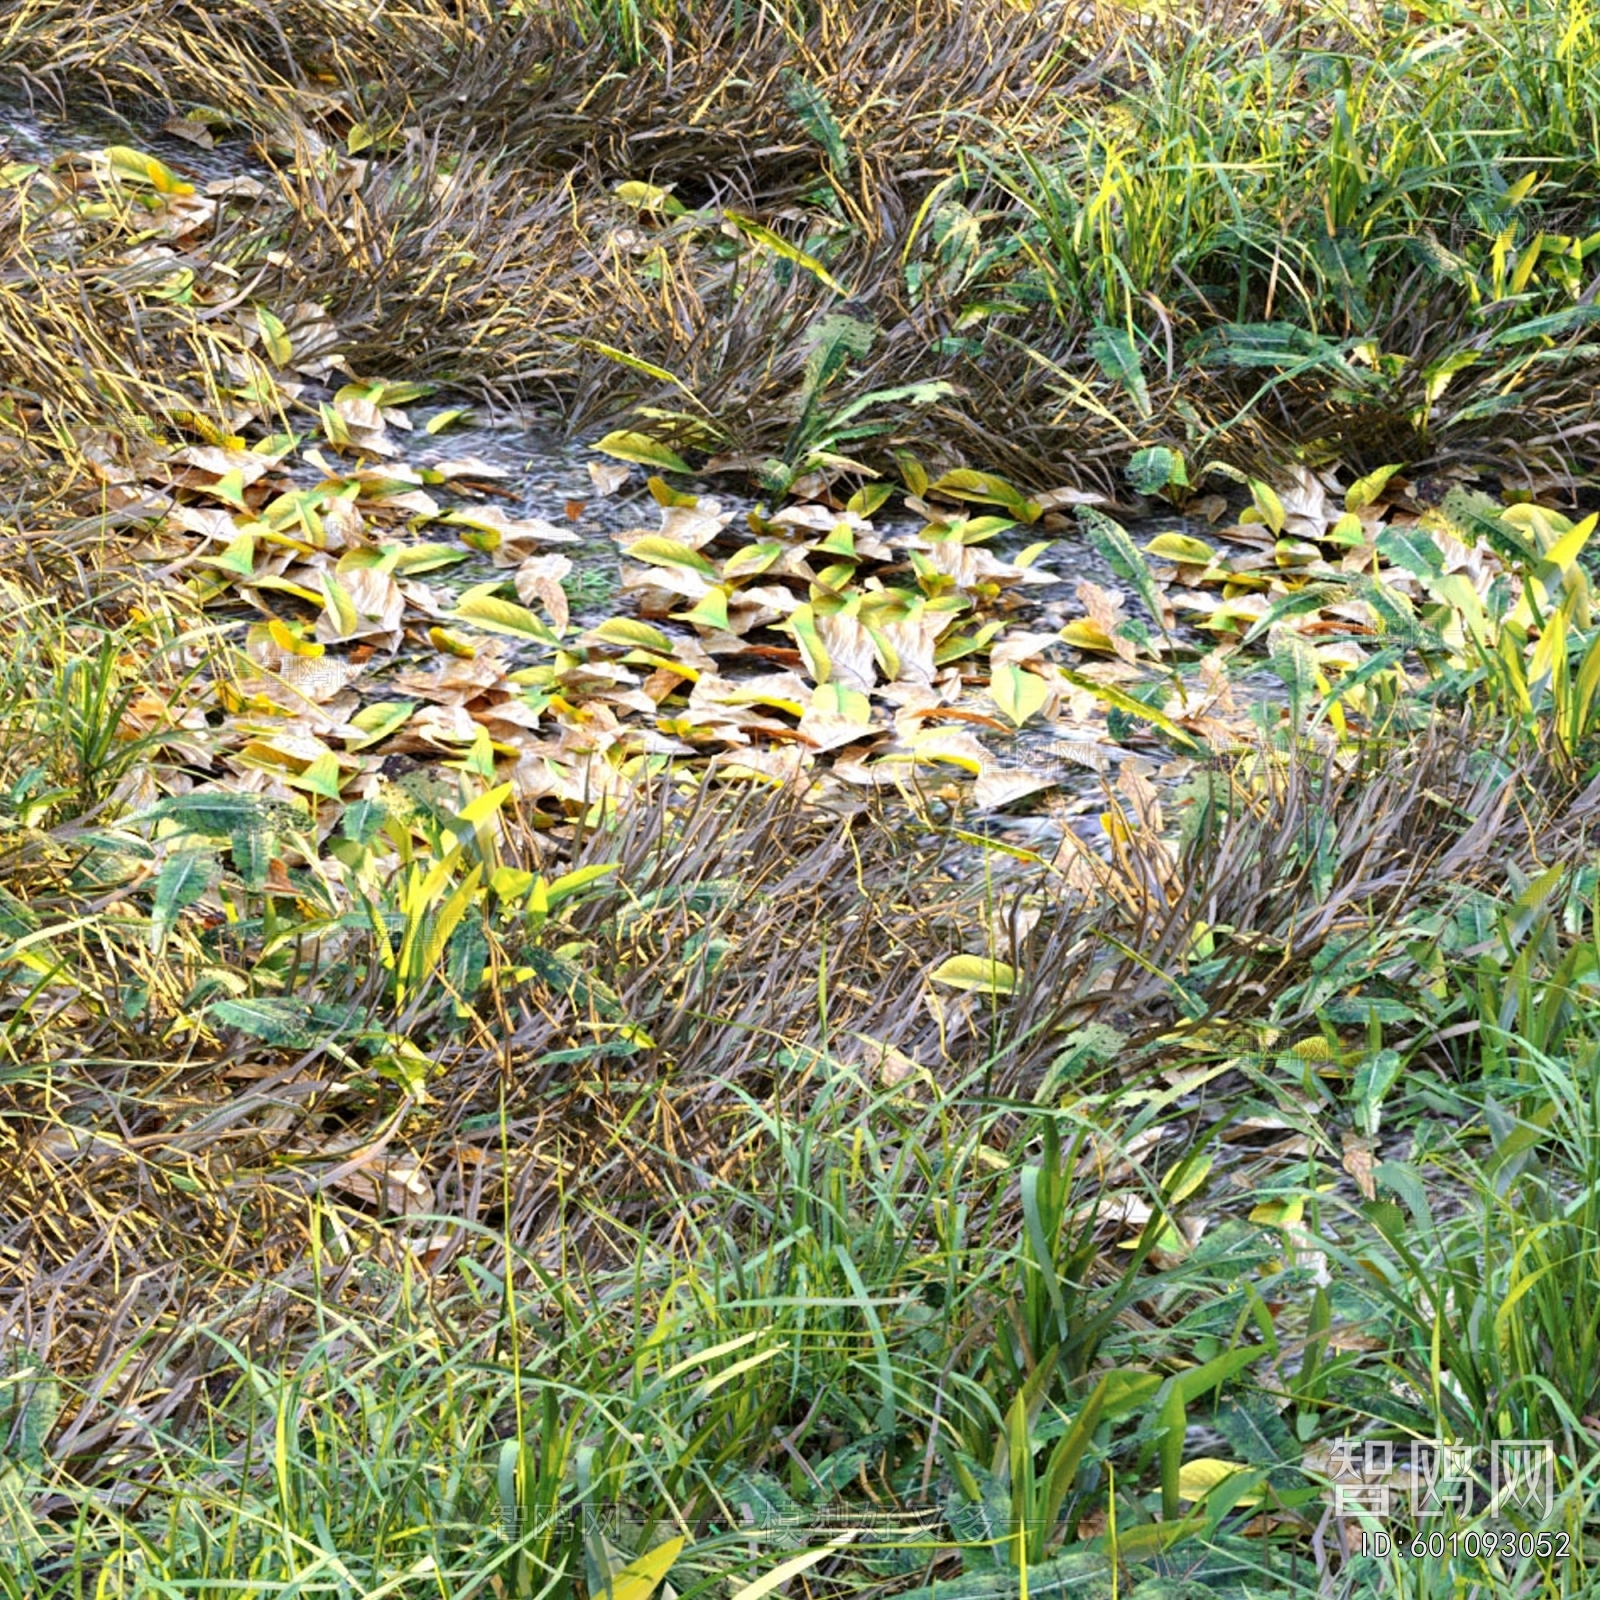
x=1365, y=491
x=1124, y=558
x=286, y=1021
x=660, y=551
x=812, y=106
x=184, y=877
x=1181, y=548
x=1117, y=356
x=985, y=488
x=1160, y=467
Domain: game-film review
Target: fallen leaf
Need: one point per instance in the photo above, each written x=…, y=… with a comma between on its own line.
x=1358, y=1162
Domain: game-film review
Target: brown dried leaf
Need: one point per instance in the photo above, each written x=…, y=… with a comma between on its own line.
x=1358, y=1162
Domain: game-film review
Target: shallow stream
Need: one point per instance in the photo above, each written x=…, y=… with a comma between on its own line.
x=546, y=476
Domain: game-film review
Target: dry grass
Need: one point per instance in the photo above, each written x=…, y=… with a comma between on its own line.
x=754, y=942
x=483, y=238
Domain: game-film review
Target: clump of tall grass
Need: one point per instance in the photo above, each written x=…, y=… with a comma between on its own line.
x=1364, y=239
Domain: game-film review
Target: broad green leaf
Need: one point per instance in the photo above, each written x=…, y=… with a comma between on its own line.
x=287, y=639
x=647, y=197
x=1160, y=467
x=452, y=644
x=136, y=167
x=435, y=929
x=230, y=487
x=1412, y=551
x=1282, y=346
x=838, y=700
x=334, y=428
x=185, y=876
x=1269, y=505
x=220, y=812
x=1373, y=1080
x=276, y=1020
x=752, y=559
x=637, y=364
x=19, y=1528
x=1295, y=663
x=811, y=105
x=1084, y=633
x=1127, y=1389
x=479, y=813
x=802, y=624
x=1018, y=694
x=779, y=1577
x=1279, y=1213
x=1117, y=356
x=710, y=611
x=321, y=777
x=426, y=557
x=638, y=1580
x=569, y=883
x=290, y=1023
x=869, y=499
x=1436, y=378
x=30, y=1405
x=976, y=974
x=1110, y=695
x=1197, y=1478
x=912, y=472
x=447, y=418
x=511, y=883
x=238, y=557
x=341, y=607
x=841, y=541
x=1184, y=1177
x=1564, y=552
x=664, y=494
x=484, y=540
x=1111, y=539
x=1068, y=1455
x=1313, y=597
x=1192, y=1382
x=642, y=449
x=1547, y=327
x=838, y=340
x=953, y=646
x=1347, y=531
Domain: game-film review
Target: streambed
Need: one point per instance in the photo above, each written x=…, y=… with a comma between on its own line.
x=530, y=472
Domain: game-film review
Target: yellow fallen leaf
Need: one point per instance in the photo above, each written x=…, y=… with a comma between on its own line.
x=977, y=974
x=1197, y=1478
